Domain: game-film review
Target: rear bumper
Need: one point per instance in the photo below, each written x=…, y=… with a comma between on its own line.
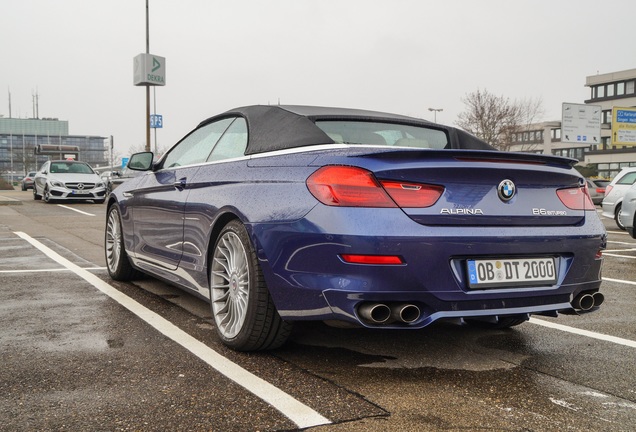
x=308, y=280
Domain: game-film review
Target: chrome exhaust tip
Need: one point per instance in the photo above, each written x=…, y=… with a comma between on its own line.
x=406, y=313
x=584, y=302
x=376, y=313
x=598, y=299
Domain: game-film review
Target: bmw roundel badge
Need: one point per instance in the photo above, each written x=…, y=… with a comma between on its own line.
x=506, y=190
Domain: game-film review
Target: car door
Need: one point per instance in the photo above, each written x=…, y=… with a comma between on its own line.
x=160, y=200
x=208, y=192
x=40, y=178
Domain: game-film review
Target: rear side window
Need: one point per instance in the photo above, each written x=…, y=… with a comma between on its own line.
x=627, y=179
x=384, y=134
x=233, y=142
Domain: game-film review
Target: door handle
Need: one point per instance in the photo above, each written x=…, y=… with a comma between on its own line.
x=180, y=184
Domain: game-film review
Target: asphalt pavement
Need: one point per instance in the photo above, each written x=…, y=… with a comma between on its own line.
x=81, y=352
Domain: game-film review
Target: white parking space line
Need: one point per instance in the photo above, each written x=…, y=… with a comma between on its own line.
x=76, y=210
x=618, y=232
x=587, y=333
x=49, y=270
x=618, y=256
x=299, y=413
x=620, y=280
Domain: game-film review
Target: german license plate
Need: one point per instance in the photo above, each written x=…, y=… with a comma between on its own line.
x=489, y=273
x=80, y=192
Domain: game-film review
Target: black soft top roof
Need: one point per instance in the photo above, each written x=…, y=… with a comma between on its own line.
x=280, y=127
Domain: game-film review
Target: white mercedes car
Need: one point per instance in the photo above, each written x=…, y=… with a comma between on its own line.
x=68, y=180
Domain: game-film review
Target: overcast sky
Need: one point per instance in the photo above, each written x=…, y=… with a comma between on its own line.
x=401, y=56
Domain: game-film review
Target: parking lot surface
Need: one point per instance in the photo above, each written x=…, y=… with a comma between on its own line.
x=81, y=352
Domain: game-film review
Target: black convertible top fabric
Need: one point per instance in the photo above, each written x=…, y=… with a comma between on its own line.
x=280, y=127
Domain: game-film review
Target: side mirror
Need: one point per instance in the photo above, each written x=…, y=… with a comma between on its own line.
x=141, y=161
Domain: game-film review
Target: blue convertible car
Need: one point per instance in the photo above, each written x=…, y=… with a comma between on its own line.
x=283, y=213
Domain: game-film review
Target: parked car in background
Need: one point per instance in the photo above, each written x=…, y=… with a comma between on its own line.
x=628, y=211
x=281, y=213
x=27, y=181
x=596, y=188
x=614, y=193
x=118, y=177
x=68, y=180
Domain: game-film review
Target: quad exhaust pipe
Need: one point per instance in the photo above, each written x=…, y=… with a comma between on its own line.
x=380, y=313
x=587, y=301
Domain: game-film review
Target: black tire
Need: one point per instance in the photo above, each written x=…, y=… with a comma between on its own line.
x=244, y=313
x=503, y=322
x=24, y=187
x=36, y=197
x=47, y=196
x=117, y=261
x=617, y=219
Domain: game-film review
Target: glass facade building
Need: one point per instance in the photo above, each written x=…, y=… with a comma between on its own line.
x=19, y=137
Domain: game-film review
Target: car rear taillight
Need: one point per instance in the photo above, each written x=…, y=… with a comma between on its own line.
x=608, y=189
x=576, y=198
x=413, y=195
x=347, y=186
x=600, y=190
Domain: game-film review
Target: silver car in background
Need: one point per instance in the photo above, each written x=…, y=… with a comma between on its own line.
x=628, y=210
x=68, y=180
x=614, y=193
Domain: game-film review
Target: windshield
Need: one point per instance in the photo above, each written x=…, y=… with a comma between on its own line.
x=70, y=167
x=384, y=134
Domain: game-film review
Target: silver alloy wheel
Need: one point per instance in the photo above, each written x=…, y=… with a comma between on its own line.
x=113, y=240
x=230, y=285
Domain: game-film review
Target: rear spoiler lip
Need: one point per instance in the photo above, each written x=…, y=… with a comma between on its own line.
x=477, y=156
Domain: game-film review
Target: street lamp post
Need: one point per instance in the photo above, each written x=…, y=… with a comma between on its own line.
x=435, y=111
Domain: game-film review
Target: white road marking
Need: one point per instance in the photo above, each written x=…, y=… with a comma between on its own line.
x=587, y=333
x=74, y=209
x=48, y=270
x=299, y=413
x=619, y=281
x=618, y=256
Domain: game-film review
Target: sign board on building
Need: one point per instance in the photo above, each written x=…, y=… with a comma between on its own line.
x=623, y=126
x=156, y=121
x=149, y=70
x=581, y=124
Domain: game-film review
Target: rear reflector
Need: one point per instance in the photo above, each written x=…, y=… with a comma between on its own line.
x=372, y=259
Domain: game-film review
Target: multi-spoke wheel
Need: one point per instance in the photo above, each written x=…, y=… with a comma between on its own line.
x=245, y=316
x=617, y=217
x=117, y=262
x=47, y=195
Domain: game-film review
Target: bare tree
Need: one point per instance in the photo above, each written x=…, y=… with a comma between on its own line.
x=495, y=119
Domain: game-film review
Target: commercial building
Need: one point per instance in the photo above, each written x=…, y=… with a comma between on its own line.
x=610, y=90
x=20, y=137
x=616, y=89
